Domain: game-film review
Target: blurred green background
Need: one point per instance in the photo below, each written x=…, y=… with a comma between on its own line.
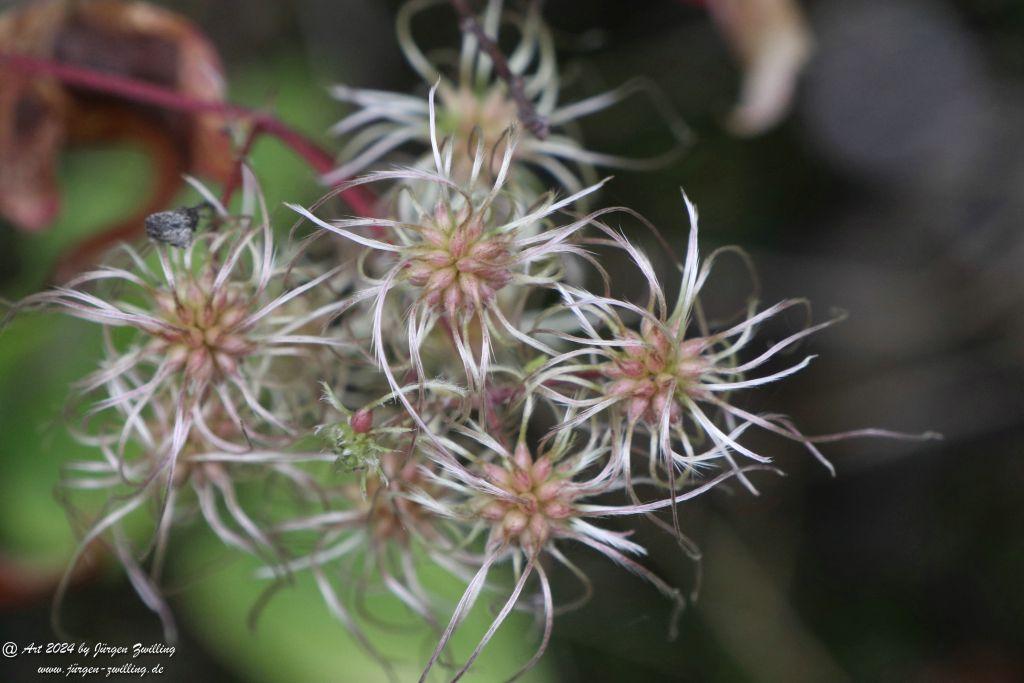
x=892, y=192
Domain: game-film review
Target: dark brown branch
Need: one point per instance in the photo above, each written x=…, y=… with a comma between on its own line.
x=532, y=121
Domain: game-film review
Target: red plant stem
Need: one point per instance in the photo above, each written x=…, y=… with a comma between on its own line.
x=141, y=92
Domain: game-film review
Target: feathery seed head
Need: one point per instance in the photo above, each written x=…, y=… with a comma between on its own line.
x=538, y=499
x=473, y=117
x=476, y=108
x=458, y=264
x=206, y=333
x=391, y=514
x=652, y=370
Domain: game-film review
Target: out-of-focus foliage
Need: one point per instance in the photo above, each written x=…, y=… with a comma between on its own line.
x=296, y=639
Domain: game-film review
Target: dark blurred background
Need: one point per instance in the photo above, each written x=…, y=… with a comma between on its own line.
x=893, y=192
